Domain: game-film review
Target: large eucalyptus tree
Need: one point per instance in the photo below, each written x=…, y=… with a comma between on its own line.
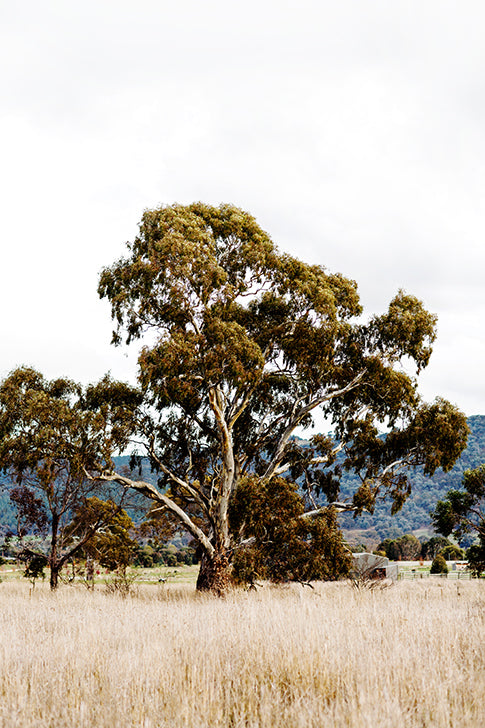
x=242, y=345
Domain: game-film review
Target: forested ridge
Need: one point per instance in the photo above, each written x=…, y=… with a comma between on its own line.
x=414, y=515
x=426, y=491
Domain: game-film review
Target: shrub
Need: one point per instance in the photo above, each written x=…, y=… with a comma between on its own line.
x=439, y=565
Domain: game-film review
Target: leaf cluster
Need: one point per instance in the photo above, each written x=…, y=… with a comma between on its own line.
x=277, y=542
x=462, y=511
x=112, y=544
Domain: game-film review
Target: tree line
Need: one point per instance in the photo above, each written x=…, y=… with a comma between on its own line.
x=241, y=345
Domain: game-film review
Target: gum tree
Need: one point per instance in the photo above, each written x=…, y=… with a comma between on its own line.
x=463, y=512
x=50, y=432
x=242, y=344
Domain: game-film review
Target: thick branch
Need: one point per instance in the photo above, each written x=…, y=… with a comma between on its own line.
x=314, y=461
x=338, y=505
x=84, y=540
x=196, y=495
x=236, y=412
x=396, y=464
x=217, y=406
x=149, y=490
x=300, y=414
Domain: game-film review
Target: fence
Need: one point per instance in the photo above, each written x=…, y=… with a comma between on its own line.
x=426, y=575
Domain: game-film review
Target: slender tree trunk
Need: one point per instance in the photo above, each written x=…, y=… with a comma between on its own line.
x=90, y=572
x=54, y=579
x=214, y=574
x=54, y=566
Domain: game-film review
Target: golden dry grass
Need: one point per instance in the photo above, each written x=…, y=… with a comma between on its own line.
x=410, y=655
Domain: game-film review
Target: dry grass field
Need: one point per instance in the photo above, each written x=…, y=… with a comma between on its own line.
x=409, y=655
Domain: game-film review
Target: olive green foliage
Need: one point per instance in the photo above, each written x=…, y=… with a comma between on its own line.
x=275, y=540
x=410, y=547
x=475, y=556
x=463, y=513
x=111, y=545
x=452, y=553
x=404, y=548
x=164, y=555
x=434, y=546
x=35, y=564
x=438, y=565
x=50, y=433
x=242, y=344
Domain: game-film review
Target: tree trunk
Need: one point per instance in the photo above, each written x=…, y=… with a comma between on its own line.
x=54, y=579
x=53, y=564
x=90, y=572
x=214, y=574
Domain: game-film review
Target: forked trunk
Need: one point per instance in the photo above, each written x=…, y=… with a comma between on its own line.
x=214, y=574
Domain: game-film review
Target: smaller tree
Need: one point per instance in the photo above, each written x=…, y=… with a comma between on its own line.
x=463, y=512
x=112, y=545
x=434, y=546
x=50, y=432
x=35, y=564
x=410, y=547
x=404, y=548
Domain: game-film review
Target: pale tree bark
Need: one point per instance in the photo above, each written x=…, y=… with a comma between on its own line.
x=214, y=574
x=153, y=493
x=299, y=413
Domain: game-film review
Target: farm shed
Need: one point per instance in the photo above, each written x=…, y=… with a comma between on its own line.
x=373, y=567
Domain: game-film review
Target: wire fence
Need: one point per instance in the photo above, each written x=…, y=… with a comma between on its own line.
x=426, y=575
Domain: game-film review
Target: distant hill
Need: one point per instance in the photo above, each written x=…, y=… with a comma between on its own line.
x=134, y=504
x=414, y=515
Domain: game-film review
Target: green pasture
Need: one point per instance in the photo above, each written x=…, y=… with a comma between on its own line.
x=182, y=574
x=159, y=575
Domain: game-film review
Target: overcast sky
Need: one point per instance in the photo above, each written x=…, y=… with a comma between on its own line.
x=353, y=131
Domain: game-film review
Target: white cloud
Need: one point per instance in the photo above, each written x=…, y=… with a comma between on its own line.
x=353, y=131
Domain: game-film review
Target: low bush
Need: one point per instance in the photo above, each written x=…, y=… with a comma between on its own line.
x=438, y=565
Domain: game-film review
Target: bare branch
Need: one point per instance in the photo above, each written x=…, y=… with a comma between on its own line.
x=299, y=415
x=196, y=495
x=396, y=464
x=309, y=492
x=149, y=490
x=339, y=506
